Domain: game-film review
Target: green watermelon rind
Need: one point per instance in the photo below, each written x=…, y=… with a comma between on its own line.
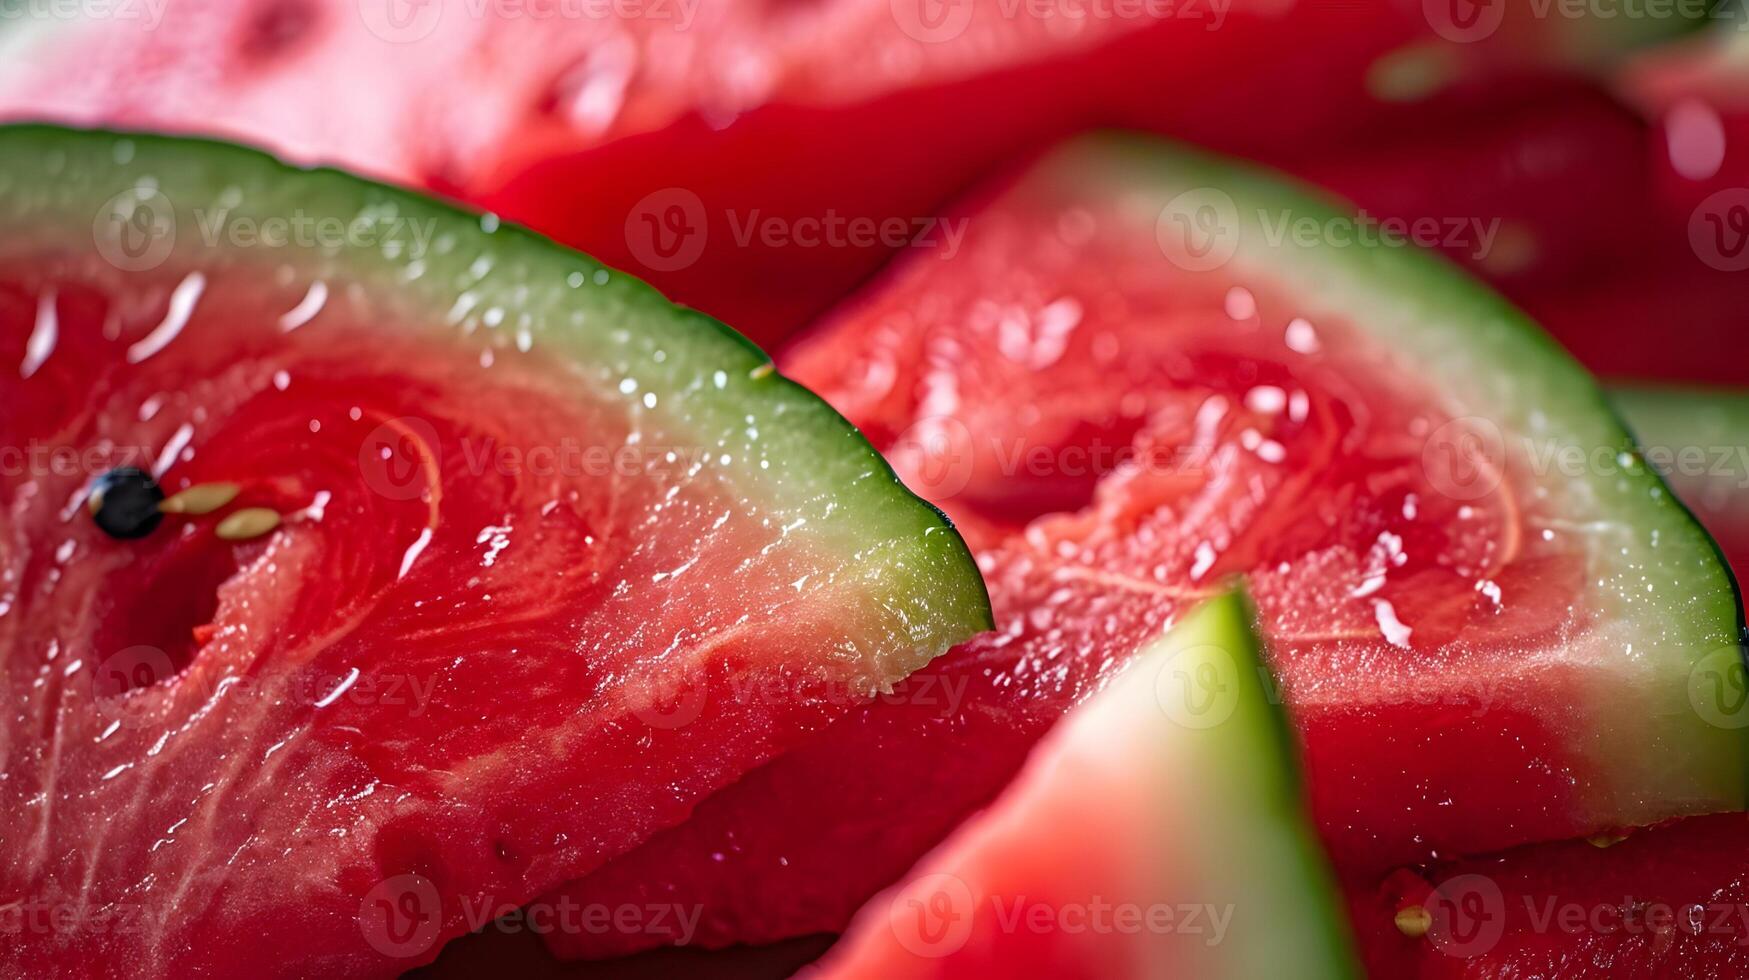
x=1654, y=751
x=1260, y=842
x=1685, y=415
x=1672, y=418
x=55, y=184
x=1145, y=798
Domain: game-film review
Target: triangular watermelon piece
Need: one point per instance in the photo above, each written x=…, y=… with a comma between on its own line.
x=1153, y=834
x=513, y=562
x=1146, y=368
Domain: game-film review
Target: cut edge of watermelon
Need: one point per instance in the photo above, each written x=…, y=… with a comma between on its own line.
x=1218, y=804
x=1271, y=804
x=819, y=468
x=1682, y=609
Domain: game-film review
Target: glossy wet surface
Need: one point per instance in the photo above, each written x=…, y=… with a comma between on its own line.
x=1116, y=438
x=489, y=645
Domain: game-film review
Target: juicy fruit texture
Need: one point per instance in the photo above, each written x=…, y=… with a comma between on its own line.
x=1667, y=903
x=1699, y=439
x=1147, y=837
x=1483, y=644
x=556, y=561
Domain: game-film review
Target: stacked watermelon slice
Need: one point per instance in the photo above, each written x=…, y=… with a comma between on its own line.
x=492, y=585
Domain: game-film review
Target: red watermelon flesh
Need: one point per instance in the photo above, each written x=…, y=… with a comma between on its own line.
x=1670, y=903
x=1667, y=314
x=1672, y=309
x=444, y=92
x=467, y=665
x=1113, y=432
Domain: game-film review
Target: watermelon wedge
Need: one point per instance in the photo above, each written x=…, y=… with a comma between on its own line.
x=480, y=563
x=1699, y=439
x=1664, y=902
x=1125, y=386
x=1150, y=835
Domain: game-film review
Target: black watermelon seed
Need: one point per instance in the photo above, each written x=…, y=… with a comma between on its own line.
x=124, y=502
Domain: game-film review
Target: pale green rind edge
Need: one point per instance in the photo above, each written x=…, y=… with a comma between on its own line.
x=1698, y=436
x=1251, y=820
x=1681, y=415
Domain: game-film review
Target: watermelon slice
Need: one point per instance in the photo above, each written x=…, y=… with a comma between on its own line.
x=1665, y=902
x=483, y=563
x=1699, y=439
x=1152, y=835
x=1483, y=645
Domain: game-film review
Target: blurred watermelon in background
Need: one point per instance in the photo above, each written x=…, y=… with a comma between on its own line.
x=758, y=159
x=762, y=159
